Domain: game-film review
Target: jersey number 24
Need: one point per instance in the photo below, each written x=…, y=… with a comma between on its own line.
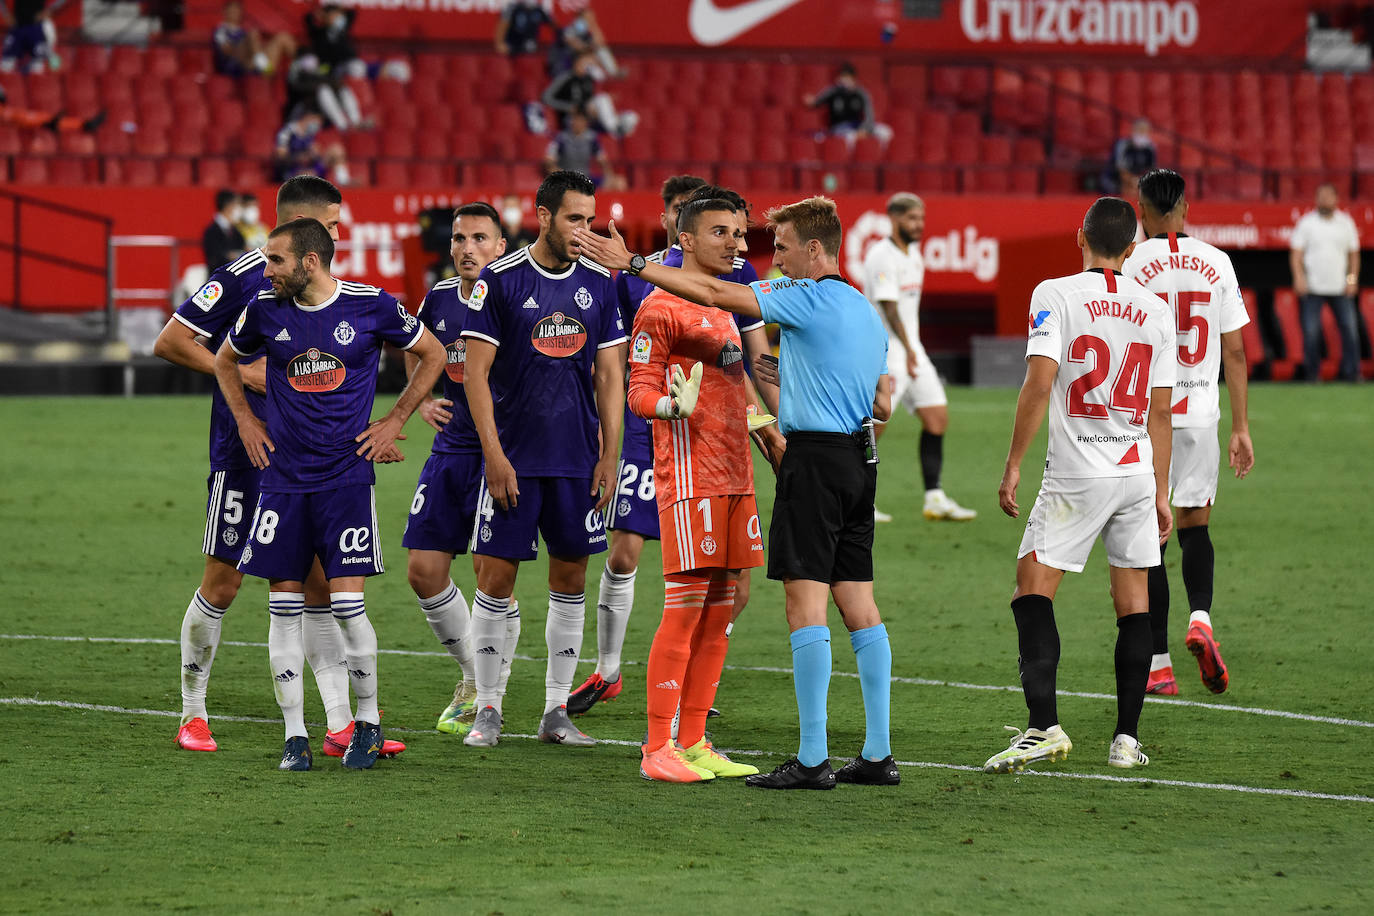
x=1130, y=391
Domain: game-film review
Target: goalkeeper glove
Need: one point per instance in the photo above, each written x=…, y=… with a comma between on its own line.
x=681, y=399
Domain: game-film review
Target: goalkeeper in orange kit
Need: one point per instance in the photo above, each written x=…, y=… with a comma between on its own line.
x=687, y=370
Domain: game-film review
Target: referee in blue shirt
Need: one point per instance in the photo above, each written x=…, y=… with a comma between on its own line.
x=833, y=363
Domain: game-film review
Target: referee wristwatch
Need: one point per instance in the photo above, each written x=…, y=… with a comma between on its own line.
x=637, y=263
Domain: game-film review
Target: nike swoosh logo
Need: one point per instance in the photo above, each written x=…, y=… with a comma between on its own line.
x=710, y=25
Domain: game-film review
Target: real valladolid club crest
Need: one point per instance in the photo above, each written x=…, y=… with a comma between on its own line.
x=583, y=298
x=344, y=333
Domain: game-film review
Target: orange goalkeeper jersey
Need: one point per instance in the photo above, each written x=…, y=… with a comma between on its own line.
x=708, y=453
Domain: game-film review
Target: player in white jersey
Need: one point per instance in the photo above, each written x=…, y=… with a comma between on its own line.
x=894, y=273
x=1100, y=357
x=1200, y=286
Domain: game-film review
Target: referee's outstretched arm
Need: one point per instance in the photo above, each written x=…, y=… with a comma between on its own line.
x=703, y=290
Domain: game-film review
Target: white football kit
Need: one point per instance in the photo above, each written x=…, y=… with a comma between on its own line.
x=892, y=274
x=1113, y=342
x=1199, y=284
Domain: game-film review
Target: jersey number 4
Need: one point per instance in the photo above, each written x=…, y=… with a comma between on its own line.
x=1131, y=389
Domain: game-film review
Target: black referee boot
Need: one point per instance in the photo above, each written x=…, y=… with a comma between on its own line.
x=864, y=772
x=792, y=775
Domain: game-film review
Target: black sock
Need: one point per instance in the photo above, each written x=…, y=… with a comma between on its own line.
x=1037, y=639
x=1199, y=563
x=1132, y=670
x=1159, y=604
x=932, y=457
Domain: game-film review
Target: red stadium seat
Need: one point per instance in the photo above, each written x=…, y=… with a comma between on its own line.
x=176, y=172
x=10, y=141
x=432, y=174
x=151, y=141
x=491, y=175
x=139, y=172
x=525, y=177
x=31, y=170
x=161, y=61
x=68, y=170
x=41, y=143
x=212, y=171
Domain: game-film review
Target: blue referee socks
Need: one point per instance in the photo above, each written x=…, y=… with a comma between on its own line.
x=873, y=653
x=811, y=677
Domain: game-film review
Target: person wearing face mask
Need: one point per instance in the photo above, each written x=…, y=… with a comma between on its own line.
x=222, y=242
x=1132, y=156
x=250, y=223
x=512, y=223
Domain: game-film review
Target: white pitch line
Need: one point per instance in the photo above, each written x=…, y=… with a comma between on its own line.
x=915, y=764
x=913, y=681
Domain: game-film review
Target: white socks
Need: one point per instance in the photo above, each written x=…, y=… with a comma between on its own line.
x=488, y=639
x=200, y=629
x=360, y=649
x=1160, y=661
x=450, y=620
x=324, y=650
x=508, y=656
x=614, y=602
x=1202, y=617
x=563, y=636
x=286, y=655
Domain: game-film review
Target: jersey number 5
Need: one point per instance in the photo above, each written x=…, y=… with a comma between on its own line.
x=1190, y=353
x=1131, y=389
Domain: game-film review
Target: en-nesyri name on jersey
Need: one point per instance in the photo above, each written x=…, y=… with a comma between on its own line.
x=1199, y=283
x=1113, y=341
x=548, y=328
x=321, y=379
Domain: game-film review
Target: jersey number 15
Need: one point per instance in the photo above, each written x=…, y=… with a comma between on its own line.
x=1194, y=350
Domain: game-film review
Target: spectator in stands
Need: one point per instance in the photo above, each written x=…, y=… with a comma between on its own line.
x=250, y=222
x=56, y=121
x=32, y=38
x=577, y=149
x=329, y=32
x=221, y=242
x=240, y=50
x=849, y=108
x=582, y=35
x=513, y=223
x=311, y=87
x=518, y=31
x=1132, y=156
x=1325, y=258
x=300, y=152
x=576, y=90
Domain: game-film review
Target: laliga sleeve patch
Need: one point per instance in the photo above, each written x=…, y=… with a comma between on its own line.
x=643, y=346
x=208, y=295
x=243, y=319
x=479, y=296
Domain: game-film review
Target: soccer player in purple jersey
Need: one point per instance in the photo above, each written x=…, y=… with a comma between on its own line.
x=323, y=337
x=233, y=484
x=445, y=501
x=545, y=381
x=634, y=511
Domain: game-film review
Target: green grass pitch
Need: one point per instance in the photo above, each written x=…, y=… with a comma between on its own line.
x=101, y=511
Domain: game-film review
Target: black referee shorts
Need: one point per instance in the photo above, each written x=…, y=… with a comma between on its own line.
x=822, y=526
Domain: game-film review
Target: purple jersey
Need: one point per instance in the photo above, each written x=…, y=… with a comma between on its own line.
x=638, y=443
x=444, y=311
x=321, y=380
x=211, y=313
x=548, y=328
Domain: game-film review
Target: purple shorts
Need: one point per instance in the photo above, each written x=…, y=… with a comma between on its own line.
x=445, y=503
x=228, y=511
x=634, y=508
x=561, y=509
x=290, y=529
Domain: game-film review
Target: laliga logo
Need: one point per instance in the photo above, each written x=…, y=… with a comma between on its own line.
x=953, y=252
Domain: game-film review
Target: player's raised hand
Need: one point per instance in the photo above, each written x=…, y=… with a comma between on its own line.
x=608, y=252
x=1165, y=516
x=1006, y=493
x=604, y=481
x=254, y=375
x=379, y=440
x=256, y=442
x=1241, y=453
x=502, y=483
x=435, y=412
